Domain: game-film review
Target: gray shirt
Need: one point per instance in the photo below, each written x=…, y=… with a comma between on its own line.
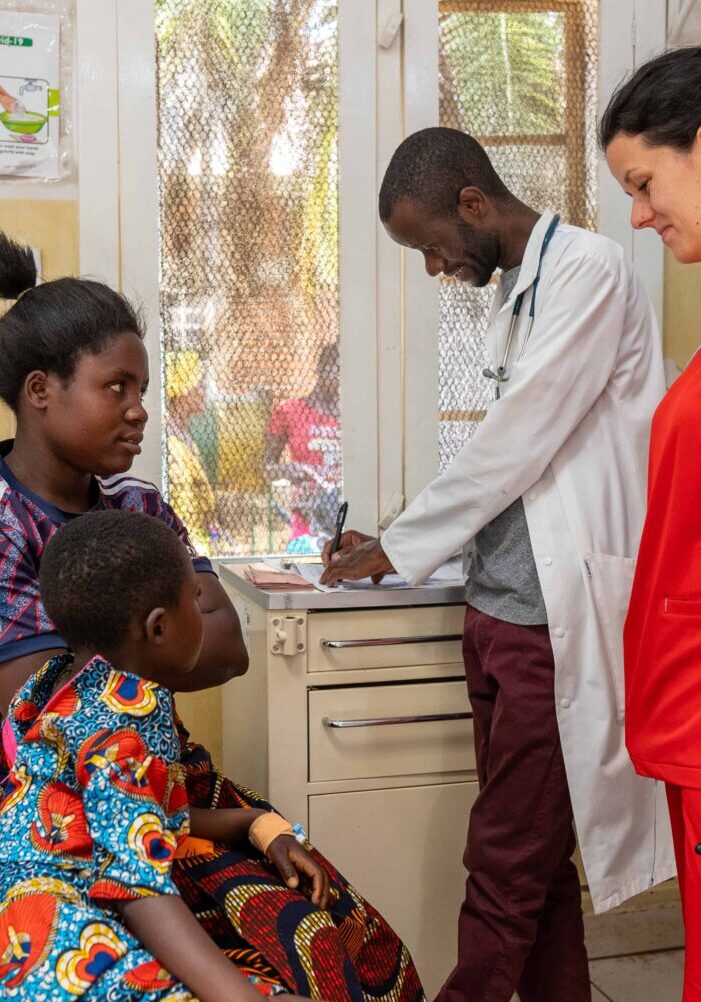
x=503, y=580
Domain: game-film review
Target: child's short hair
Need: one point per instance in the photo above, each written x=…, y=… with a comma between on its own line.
x=105, y=569
x=53, y=324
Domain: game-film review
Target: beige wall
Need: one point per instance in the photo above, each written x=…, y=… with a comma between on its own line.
x=7, y=425
x=201, y=712
x=682, y=309
x=50, y=226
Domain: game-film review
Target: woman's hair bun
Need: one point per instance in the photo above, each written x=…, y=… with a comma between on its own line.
x=18, y=270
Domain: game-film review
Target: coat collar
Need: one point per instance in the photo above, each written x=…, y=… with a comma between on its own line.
x=500, y=315
x=531, y=258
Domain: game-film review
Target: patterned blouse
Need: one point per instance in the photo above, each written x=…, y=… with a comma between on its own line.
x=96, y=789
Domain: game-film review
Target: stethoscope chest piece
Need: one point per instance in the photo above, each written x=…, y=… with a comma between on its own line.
x=499, y=377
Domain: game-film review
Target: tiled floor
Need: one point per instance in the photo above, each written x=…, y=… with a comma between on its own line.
x=635, y=951
x=635, y=955
x=646, y=977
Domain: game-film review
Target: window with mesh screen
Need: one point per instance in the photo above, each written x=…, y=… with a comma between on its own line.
x=520, y=76
x=248, y=179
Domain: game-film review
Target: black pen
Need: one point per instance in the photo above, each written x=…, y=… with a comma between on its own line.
x=340, y=522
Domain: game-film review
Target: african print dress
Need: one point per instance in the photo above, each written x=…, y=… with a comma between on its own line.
x=94, y=809
x=275, y=935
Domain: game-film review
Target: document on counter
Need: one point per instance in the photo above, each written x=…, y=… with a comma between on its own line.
x=262, y=575
x=446, y=575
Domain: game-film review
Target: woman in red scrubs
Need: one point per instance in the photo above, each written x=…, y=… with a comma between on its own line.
x=651, y=135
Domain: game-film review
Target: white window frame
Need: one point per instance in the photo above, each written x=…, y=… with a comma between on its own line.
x=118, y=181
x=389, y=306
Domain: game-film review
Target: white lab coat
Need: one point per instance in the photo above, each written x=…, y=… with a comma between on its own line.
x=570, y=436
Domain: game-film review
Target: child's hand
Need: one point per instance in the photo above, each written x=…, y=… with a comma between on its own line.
x=293, y=862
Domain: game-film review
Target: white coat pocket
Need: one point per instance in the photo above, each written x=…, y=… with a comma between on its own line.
x=611, y=580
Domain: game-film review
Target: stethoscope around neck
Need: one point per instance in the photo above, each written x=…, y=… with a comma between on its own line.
x=501, y=375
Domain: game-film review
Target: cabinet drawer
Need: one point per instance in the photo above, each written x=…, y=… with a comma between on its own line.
x=384, y=638
x=340, y=748
x=402, y=848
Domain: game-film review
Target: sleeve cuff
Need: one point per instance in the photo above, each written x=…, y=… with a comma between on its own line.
x=105, y=889
x=30, y=645
x=203, y=565
x=397, y=562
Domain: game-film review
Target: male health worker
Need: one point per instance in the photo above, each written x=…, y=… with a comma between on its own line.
x=547, y=502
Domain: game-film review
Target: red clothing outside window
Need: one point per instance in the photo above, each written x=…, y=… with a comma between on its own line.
x=312, y=435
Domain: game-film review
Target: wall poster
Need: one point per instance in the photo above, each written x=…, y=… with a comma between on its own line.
x=29, y=95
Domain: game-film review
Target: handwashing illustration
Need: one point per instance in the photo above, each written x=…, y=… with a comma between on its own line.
x=24, y=123
x=30, y=95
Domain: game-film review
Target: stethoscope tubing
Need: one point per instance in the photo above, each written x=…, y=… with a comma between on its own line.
x=501, y=375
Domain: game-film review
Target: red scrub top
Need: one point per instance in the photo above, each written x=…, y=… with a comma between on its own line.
x=662, y=637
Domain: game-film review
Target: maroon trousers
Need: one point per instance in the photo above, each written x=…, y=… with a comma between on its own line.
x=520, y=926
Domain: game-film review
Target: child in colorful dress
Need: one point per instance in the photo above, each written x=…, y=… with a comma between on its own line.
x=95, y=804
x=74, y=371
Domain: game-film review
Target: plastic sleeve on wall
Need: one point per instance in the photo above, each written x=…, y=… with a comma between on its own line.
x=37, y=130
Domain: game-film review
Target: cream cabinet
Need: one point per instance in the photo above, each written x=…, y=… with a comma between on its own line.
x=354, y=720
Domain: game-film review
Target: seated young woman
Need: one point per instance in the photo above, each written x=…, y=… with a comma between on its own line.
x=74, y=372
x=95, y=807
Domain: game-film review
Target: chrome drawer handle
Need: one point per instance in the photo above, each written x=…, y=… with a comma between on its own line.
x=386, y=641
x=428, y=718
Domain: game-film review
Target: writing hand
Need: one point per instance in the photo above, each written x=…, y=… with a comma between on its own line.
x=349, y=539
x=359, y=557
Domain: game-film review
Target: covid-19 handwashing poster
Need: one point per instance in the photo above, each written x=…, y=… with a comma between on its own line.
x=29, y=95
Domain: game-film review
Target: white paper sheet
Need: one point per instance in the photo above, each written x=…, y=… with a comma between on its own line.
x=448, y=574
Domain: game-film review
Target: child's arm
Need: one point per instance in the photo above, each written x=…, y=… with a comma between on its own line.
x=172, y=934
